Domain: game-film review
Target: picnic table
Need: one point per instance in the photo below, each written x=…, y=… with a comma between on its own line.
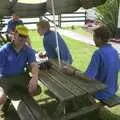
x=66, y=89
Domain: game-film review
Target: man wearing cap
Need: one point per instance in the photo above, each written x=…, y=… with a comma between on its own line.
x=14, y=57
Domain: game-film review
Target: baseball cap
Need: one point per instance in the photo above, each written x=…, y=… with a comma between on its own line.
x=22, y=30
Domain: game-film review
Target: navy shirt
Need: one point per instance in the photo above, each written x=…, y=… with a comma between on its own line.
x=50, y=46
x=12, y=25
x=104, y=66
x=11, y=62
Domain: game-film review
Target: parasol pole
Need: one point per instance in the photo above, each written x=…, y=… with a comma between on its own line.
x=56, y=36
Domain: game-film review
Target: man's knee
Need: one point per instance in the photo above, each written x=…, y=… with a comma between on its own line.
x=2, y=96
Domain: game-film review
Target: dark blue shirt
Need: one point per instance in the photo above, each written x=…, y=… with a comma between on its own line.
x=50, y=46
x=11, y=62
x=104, y=66
x=12, y=25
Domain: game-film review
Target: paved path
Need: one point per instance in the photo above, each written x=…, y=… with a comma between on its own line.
x=76, y=36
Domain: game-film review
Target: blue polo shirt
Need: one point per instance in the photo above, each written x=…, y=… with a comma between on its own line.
x=50, y=46
x=11, y=62
x=104, y=67
x=12, y=25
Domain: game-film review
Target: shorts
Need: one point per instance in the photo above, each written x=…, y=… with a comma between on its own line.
x=15, y=83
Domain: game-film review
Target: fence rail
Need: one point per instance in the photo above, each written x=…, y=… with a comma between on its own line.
x=60, y=19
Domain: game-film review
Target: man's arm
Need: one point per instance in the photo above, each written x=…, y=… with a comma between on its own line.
x=32, y=86
x=9, y=27
x=93, y=67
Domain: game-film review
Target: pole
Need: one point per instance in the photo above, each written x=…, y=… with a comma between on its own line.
x=57, y=49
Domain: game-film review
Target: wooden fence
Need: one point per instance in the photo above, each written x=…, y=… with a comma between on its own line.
x=67, y=18
x=60, y=19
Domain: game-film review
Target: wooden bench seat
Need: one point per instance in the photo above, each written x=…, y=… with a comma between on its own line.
x=28, y=109
x=82, y=111
x=113, y=101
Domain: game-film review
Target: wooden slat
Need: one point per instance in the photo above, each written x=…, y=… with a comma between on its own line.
x=66, y=83
x=93, y=85
x=82, y=111
x=66, y=87
x=38, y=112
x=76, y=82
x=23, y=112
x=115, y=100
x=55, y=87
x=28, y=109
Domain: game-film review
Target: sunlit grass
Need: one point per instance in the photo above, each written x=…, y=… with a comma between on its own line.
x=80, y=30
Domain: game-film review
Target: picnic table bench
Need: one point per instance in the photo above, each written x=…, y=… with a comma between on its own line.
x=25, y=105
x=68, y=88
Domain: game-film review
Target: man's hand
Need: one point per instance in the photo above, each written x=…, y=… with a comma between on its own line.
x=68, y=70
x=32, y=86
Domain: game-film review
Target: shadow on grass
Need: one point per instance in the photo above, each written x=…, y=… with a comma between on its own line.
x=106, y=114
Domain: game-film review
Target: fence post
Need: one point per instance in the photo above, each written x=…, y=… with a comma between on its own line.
x=59, y=20
x=40, y=18
x=85, y=16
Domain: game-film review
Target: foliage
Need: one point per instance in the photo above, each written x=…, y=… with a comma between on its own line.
x=108, y=14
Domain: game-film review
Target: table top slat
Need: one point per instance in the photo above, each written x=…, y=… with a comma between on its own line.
x=66, y=83
x=85, y=85
x=55, y=87
x=65, y=86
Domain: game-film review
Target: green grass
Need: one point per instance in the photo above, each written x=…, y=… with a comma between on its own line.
x=36, y=40
x=79, y=30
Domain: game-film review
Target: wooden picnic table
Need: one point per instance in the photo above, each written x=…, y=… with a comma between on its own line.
x=68, y=88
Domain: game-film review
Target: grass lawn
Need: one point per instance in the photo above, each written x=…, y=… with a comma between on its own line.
x=79, y=30
x=81, y=53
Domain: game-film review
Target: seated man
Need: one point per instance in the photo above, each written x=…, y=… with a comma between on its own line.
x=105, y=63
x=14, y=57
x=50, y=45
x=12, y=25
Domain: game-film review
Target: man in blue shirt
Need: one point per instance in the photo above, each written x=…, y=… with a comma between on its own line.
x=105, y=64
x=13, y=23
x=49, y=42
x=14, y=57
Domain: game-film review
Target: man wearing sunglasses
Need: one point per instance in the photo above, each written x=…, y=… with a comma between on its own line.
x=14, y=57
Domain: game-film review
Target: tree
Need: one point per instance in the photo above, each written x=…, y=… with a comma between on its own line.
x=108, y=14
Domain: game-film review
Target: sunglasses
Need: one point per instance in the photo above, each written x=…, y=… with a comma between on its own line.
x=22, y=36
